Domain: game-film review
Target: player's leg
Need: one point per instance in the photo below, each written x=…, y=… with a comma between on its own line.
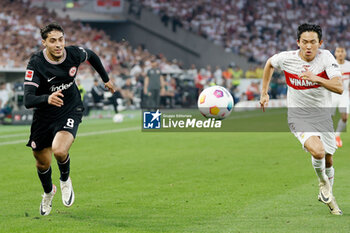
x=342, y=123
x=60, y=146
x=315, y=146
x=156, y=99
x=344, y=111
x=153, y=102
x=43, y=165
x=340, y=128
x=64, y=137
x=333, y=206
x=330, y=147
x=330, y=169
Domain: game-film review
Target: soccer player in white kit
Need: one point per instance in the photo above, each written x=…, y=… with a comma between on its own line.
x=311, y=75
x=342, y=101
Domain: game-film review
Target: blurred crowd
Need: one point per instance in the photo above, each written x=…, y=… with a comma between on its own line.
x=127, y=66
x=256, y=29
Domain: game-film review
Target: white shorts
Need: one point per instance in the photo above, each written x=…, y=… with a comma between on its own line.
x=341, y=102
x=324, y=130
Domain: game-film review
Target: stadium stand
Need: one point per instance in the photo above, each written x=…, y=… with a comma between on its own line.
x=19, y=32
x=253, y=28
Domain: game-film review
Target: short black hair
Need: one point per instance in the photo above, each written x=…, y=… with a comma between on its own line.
x=310, y=28
x=340, y=47
x=49, y=28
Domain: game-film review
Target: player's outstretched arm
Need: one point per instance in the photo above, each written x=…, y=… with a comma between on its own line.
x=109, y=85
x=268, y=71
x=95, y=61
x=334, y=85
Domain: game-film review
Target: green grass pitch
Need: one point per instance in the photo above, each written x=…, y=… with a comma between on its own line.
x=126, y=180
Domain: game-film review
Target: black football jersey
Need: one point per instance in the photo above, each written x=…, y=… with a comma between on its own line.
x=47, y=76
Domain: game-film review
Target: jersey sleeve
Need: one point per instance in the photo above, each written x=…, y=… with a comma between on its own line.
x=331, y=66
x=277, y=60
x=31, y=84
x=95, y=61
x=85, y=54
x=79, y=53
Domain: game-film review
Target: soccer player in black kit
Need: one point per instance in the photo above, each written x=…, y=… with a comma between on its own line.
x=50, y=89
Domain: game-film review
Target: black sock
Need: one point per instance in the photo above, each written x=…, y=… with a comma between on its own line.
x=64, y=168
x=45, y=178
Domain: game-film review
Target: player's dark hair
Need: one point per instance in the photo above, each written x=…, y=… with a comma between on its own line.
x=340, y=47
x=310, y=28
x=49, y=28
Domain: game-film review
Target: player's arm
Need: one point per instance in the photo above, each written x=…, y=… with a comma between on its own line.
x=334, y=85
x=264, y=96
x=31, y=99
x=95, y=61
x=145, y=85
x=162, y=82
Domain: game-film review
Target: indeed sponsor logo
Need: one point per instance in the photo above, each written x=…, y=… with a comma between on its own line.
x=61, y=87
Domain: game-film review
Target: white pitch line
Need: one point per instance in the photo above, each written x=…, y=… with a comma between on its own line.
x=81, y=134
x=12, y=142
x=14, y=135
x=120, y=130
x=108, y=131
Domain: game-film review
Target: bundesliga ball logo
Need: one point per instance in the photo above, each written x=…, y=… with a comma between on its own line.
x=215, y=102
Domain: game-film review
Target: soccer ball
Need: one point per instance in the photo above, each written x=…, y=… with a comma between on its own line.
x=118, y=118
x=215, y=102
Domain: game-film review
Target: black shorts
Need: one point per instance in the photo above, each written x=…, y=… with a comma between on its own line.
x=42, y=131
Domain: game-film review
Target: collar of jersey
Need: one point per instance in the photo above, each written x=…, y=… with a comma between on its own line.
x=55, y=62
x=318, y=52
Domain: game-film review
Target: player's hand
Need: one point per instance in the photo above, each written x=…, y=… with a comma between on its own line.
x=145, y=92
x=55, y=99
x=109, y=85
x=264, y=100
x=309, y=76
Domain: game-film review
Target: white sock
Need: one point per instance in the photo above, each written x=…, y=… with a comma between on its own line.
x=340, y=128
x=330, y=174
x=320, y=167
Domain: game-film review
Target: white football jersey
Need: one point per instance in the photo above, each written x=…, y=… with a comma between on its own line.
x=303, y=94
x=345, y=71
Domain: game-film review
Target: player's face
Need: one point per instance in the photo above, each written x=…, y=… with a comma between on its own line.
x=54, y=44
x=309, y=45
x=340, y=54
x=154, y=64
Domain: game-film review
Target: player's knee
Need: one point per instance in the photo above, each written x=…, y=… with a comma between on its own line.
x=318, y=152
x=345, y=118
x=42, y=166
x=60, y=153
